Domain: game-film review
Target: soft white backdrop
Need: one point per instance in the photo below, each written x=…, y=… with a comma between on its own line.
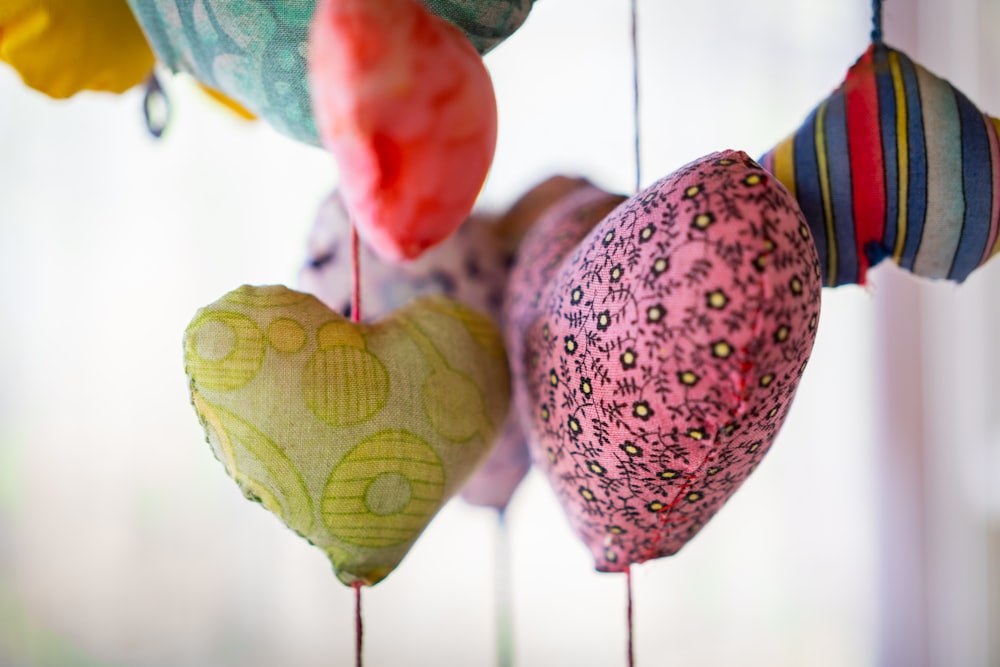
x=123, y=542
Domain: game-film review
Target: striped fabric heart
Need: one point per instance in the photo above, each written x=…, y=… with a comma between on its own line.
x=896, y=164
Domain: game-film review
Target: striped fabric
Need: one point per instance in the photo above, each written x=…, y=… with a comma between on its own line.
x=895, y=164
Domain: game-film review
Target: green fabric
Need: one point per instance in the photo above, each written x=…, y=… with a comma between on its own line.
x=355, y=435
x=255, y=50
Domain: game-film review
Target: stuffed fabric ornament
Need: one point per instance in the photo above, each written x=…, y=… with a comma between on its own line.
x=62, y=47
x=406, y=106
x=895, y=164
x=355, y=435
x=255, y=50
x=656, y=355
x=471, y=267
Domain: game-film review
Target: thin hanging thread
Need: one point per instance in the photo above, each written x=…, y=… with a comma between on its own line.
x=876, y=21
x=638, y=183
x=505, y=625
x=358, y=624
x=628, y=586
x=635, y=94
x=355, y=276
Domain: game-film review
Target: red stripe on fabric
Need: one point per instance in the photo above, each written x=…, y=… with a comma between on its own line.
x=864, y=137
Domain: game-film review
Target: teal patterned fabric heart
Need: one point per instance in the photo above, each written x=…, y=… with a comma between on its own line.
x=255, y=50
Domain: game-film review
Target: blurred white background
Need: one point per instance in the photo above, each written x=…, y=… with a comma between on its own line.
x=869, y=537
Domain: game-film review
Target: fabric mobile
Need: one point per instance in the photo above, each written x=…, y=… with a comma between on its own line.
x=355, y=435
x=656, y=354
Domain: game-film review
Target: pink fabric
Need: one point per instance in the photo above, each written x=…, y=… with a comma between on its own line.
x=405, y=104
x=656, y=355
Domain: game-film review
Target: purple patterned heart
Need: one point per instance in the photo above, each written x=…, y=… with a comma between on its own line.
x=656, y=355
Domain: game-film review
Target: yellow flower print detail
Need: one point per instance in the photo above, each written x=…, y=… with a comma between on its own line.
x=717, y=299
x=596, y=468
x=689, y=378
x=703, y=220
x=696, y=433
x=574, y=425
x=721, y=349
x=631, y=448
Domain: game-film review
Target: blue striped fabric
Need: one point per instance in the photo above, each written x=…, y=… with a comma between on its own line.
x=895, y=164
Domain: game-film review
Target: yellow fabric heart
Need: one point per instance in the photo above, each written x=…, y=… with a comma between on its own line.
x=61, y=47
x=355, y=435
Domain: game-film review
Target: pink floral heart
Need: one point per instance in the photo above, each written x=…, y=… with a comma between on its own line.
x=656, y=355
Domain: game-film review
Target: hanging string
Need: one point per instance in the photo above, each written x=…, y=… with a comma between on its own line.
x=628, y=607
x=638, y=184
x=635, y=93
x=155, y=107
x=876, y=21
x=358, y=624
x=355, y=276
x=505, y=624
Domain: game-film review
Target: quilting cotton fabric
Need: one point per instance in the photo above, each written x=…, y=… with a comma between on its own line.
x=656, y=354
x=355, y=435
x=255, y=51
x=896, y=164
x=470, y=267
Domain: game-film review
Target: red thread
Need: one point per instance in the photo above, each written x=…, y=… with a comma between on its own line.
x=355, y=276
x=628, y=586
x=358, y=624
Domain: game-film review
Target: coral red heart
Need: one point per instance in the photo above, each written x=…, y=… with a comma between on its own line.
x=656, y=354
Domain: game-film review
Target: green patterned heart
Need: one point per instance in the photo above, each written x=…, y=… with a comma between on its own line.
x=355, y=435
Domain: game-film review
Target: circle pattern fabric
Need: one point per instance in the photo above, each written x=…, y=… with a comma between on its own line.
x=354, y=435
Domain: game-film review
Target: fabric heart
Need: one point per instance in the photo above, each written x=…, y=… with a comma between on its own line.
x=471, y=267
x=355, y=435
x=895, y=164
x=656, y=355
x=405, y=104
x=254, y=51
